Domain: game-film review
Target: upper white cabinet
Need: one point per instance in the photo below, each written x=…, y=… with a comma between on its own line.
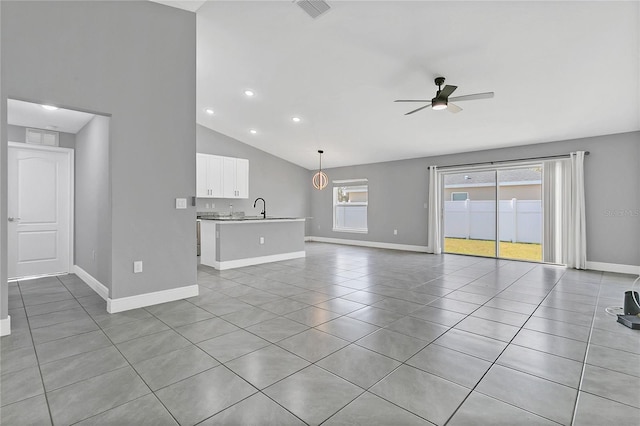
x=209, y=176
x=235, y=177
x=221, y=177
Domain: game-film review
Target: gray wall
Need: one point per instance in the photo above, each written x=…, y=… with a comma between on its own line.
x=19, y=134
x=4, y=288
x=93, y=200
x=398, y=191
x=397, y=194
x=285, y=186
x=136, y=62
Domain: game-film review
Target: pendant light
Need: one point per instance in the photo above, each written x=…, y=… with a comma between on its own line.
x=320, y=179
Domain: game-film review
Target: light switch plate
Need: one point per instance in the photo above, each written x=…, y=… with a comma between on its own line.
x=137, y=266
x=181, y=203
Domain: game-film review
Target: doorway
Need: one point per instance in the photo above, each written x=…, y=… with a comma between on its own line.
x=494, y=212
x=40, y=213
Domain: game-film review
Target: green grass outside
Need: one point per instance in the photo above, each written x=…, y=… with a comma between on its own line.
x=520, y=251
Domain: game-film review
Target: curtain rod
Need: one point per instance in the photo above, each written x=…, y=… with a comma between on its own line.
x=507, y=161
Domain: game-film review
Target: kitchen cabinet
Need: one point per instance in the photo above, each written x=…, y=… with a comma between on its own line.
x=209, y=182
x=235, y=177
x=221, y=177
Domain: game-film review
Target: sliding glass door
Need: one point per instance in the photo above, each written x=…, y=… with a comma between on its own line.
x=520, y=213
x=494, y=212
x=470, y=213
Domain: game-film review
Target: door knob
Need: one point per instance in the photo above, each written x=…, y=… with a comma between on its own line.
x=13, y=219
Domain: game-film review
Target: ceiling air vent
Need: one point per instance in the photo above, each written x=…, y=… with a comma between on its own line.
x=314, y=8
x=42, y=137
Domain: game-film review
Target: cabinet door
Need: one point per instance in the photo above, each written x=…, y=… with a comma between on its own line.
x=214, y=176
x=202, y=188
x=242, y=178
x=229, y=177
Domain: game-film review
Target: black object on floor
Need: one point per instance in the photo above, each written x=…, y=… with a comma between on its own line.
x=631, y=321
x=631, y=303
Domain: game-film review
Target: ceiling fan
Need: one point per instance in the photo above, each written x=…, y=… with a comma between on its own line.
x=442, y=99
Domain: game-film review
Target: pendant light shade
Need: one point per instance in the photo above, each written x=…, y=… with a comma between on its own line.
x=320, y=179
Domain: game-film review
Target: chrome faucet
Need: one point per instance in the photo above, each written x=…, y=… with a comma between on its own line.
x=264, y=207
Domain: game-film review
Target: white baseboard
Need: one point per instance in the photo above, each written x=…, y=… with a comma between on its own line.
x=230, y=264
x=5, y=326
x=375, y=244
x=96, y=285
x=613, y=267
x=307, y=238
x=148, y=299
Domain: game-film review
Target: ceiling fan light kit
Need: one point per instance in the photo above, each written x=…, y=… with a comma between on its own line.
x=442, y=101
x=438, y=104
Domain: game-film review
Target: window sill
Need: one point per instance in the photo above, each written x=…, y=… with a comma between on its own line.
x=352, y=231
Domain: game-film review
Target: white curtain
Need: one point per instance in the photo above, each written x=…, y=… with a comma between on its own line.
x=556, y=202
x=434, y=222
x=564, y=212
x=577, y=239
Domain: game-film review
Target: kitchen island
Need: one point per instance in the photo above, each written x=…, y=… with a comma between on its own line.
x=234, y=243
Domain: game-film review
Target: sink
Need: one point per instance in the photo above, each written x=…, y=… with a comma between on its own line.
x=223, y=216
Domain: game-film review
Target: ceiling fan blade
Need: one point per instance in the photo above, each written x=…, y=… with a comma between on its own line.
x=486, y=95
x=453, y=108
x=412, y=100
x=446, y=91
x=421, y=108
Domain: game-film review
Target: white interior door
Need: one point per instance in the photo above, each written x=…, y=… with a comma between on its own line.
x=39, y=210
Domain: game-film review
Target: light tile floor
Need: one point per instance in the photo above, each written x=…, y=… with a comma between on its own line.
x=347, y=336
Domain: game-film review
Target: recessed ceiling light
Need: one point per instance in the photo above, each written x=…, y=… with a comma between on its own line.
x=249, y=93
x=295, y=119
x=209, y=111
x=253, y=131
x=50, y=107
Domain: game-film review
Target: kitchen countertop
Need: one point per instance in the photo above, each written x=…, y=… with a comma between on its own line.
x=252, y=219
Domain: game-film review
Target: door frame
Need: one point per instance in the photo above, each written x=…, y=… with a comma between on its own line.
x=71, y=155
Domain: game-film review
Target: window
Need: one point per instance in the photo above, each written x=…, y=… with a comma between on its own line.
x=459, y=196
x=350, y=203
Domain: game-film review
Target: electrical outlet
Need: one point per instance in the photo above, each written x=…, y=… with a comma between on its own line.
x=207, y=205
x=181, y=203
x=213, y=205
x=261, y=240
x=395, y=232
x=137, y=266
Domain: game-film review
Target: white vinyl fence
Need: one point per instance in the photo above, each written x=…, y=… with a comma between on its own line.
x=520, y=220
x=351, y=217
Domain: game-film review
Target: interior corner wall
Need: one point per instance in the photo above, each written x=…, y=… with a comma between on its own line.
x=135, y=61
x=92, y=236
x=398, y=192
x=284, y=185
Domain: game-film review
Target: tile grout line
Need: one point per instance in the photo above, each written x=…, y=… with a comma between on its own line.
x=44, y=390
x=586, y=354
x=501, y=352
x=129, y=365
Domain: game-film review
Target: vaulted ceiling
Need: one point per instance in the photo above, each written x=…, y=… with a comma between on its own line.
x=559, y=70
